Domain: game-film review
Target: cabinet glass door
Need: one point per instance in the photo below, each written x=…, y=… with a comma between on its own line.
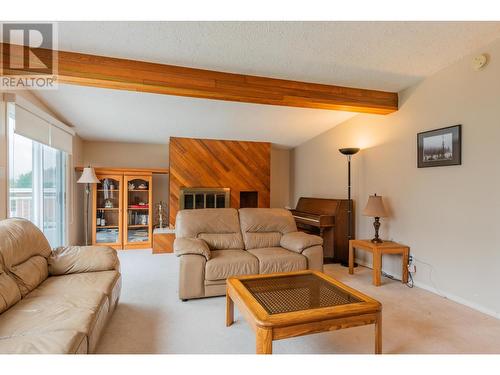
x=138, y=211
x=107, y=211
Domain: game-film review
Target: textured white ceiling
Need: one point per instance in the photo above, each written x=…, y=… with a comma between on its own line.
x=378, y=55
x=126, y=116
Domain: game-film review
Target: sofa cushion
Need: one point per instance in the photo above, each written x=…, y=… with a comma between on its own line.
x=56, y=342
x=277, y=259
x=9, y=291
x=46, y=314
x=227, y=263
x=76, y=259
x=24, y=251
x=218, y=227
x=263, y=227
x=75, y=302
x=79, y=283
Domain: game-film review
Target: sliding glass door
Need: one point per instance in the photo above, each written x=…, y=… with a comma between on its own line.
x=37, y=185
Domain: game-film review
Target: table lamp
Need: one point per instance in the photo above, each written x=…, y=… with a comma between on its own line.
x=88, y=177
x=375, y=208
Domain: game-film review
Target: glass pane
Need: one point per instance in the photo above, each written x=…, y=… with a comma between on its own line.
x=220, y=201
x=283, y=294
x=108, y=193
x=37, y=183
x=138, y=235
x=199, y=201
x=188, y=201
x=20, y=176
x=106, y=235
x=210, y=200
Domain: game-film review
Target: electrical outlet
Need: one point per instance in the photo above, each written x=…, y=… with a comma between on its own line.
x=412, y=268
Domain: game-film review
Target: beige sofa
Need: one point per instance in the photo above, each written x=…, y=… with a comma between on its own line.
x=53, y=301
x=214, y=244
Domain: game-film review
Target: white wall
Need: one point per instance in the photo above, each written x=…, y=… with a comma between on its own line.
x=280, y=177
x=448, y=215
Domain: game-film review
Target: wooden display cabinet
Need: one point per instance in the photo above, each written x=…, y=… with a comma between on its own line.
x=137, y=215
x=107, y=198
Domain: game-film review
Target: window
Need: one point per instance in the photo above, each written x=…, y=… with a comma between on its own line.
x=37, y=185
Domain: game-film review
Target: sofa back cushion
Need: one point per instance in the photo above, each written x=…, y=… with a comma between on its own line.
x=263, y=227
x=9, y=291
x=23, y=252
x=218, y=227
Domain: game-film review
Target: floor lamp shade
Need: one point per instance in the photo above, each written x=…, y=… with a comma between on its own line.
x=88, y=176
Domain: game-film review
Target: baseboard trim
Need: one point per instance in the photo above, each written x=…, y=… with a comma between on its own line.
x=442, y=293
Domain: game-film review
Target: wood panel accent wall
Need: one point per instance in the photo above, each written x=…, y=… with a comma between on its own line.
x=238, y=165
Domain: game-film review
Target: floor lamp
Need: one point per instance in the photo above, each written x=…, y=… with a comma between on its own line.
x=88, y=177
x=348, y=152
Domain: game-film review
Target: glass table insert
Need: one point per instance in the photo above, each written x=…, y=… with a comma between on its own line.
x=288, y=293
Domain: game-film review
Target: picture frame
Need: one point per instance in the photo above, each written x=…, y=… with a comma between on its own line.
x=440, y=147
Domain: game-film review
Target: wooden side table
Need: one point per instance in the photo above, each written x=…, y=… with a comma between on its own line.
x=378, y=249
x=163, y=240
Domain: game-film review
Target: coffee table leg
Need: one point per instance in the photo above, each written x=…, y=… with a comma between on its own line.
x=229, y=310
x=378, y=334
x=264, y=341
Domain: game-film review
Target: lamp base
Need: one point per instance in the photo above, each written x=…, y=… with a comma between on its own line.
x=376, y=240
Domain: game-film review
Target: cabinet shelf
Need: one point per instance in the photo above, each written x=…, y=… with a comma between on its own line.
x=145, y=190
x=107, y=226
x=138, y=225
x=107, y=208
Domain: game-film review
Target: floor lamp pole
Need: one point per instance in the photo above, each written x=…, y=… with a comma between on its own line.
x=88, y=177
x=349, y=201
x=87, y=193
x=344, y=258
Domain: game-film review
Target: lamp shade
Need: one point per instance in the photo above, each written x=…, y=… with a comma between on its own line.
x=88, y=176
x=375, y=207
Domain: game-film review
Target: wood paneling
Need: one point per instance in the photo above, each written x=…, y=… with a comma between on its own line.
x=238, y=165
x=121, y=74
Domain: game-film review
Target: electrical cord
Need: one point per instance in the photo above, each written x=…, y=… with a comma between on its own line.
x=410, y=283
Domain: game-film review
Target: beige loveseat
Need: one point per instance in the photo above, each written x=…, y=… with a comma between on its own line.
x=53, y=301
x=214, y=244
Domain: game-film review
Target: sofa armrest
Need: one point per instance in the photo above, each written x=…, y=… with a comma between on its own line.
x=194, y=246
x=299, y=241
x=79, y=259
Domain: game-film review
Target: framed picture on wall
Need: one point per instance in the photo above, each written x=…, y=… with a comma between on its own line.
x=440, y=147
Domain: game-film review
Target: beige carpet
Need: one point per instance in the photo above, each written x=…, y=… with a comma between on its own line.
x=151, y=319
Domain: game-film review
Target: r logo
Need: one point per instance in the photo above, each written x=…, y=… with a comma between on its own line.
x=30, y=47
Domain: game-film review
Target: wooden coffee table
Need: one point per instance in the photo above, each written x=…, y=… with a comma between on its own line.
x=284, y=305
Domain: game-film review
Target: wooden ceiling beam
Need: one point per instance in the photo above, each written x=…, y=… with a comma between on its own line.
x=122, y=74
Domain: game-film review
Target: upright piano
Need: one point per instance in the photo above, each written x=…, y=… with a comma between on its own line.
x=327, y=218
